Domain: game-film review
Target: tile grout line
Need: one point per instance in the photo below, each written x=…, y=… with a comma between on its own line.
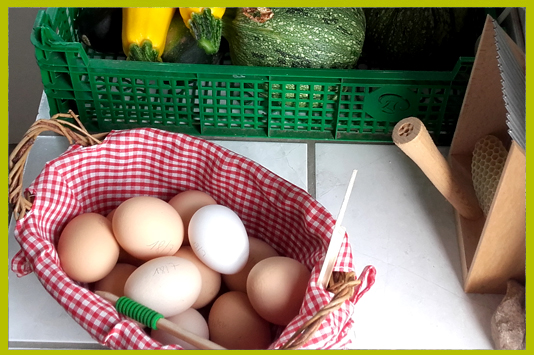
x=311, y=169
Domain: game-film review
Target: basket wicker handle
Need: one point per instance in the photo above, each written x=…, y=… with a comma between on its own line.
x=17, y=159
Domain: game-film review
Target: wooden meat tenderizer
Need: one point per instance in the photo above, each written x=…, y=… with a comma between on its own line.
x=411, y=136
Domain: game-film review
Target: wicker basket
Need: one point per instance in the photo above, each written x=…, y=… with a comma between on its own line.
x=98, y=172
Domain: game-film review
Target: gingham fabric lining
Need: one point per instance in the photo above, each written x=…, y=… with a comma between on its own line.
x=159, y=163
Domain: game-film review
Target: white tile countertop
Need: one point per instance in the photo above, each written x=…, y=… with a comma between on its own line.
x=396, y=220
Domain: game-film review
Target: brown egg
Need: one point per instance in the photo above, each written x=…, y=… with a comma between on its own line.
x=234, y=324
x=186, y=203
x=258, y=250
x=126, y=258
x=211, y=279
x=87, y=248
x=276, y=288
x=190, y=320
x=110, y=215
x=115, y=280
x=148, y=227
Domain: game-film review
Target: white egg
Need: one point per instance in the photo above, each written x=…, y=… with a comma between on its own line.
x=219, y=239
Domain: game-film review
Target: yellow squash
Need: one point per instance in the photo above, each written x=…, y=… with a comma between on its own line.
x=205, y=24
x=187, y=12
x=144, y=31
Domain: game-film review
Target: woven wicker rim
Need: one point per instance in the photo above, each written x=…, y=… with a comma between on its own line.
x=341, y=284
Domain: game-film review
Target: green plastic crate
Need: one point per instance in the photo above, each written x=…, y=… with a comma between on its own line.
x=225, y=100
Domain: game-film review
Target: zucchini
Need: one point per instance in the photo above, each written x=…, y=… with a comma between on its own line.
x=144, y=31
x=182, y=47
x=100, y=28
x=205, y=24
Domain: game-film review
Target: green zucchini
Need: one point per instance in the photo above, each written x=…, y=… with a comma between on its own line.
x=100, y=28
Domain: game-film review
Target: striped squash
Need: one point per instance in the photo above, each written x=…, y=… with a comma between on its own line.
x=296, y=37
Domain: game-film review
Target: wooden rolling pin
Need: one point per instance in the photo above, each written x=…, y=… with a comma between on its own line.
x=411, y=136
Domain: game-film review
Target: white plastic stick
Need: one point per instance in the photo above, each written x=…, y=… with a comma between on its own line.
x=337, y=238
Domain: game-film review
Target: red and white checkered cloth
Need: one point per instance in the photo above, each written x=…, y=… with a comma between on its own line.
x=158, y=163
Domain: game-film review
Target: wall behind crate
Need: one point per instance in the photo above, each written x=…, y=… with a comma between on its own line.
x=25, y=85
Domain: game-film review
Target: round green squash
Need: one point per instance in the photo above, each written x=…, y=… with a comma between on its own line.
x=420, y=38
x=296, y=37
